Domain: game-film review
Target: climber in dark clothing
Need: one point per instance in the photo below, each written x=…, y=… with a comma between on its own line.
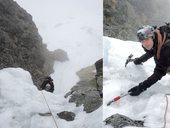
x=156, y=43
x=48, y=84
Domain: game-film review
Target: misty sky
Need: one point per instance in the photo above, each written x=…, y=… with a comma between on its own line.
x=62, y=20
x=57, y=10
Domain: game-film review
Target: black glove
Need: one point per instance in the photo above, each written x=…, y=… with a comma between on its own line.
x=137, y=61
x=137, y=90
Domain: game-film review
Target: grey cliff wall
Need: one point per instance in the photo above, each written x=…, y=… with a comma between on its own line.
x=21, y=45
x=122, y=18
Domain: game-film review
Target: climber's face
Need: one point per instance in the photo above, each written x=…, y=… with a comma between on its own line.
x=147, y=43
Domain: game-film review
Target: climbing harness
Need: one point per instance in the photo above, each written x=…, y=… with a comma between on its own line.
x=166, y=109
x=50, y=110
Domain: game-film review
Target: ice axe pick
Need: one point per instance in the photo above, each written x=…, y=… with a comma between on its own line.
x=129, y=59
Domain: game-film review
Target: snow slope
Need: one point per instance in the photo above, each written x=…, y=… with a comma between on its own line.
x=21, y=105
x=150, y=105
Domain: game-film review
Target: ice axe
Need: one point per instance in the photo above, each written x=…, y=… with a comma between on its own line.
x=117, y=98
x=129, y=59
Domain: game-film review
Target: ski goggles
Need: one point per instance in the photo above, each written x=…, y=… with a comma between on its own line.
x=142, y=37
x=144, y=34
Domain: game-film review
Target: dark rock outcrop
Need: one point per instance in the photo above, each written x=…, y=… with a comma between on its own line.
x=99, y=76
x=122, y=18
x=120, y=121
x=88, y=91
x=68, y=116
x=21, y=45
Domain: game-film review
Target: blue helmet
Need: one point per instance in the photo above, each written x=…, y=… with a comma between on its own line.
x=145, y=32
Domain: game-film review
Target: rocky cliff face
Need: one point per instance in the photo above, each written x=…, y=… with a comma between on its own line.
x=88, y=91
x=122, y=18
x=21, y=45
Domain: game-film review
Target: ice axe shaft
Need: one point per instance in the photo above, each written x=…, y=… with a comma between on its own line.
x=117, y=98
x=129, y=59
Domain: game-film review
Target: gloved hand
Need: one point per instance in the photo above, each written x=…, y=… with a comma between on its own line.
x=137, y=61
x=137, y=90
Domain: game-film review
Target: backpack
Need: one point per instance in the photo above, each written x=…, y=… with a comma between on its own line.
x=165, y=31
x=165, y=28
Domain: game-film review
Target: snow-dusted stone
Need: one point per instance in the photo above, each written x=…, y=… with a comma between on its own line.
x=68, y=116
x=120, y=121
x=88, y=91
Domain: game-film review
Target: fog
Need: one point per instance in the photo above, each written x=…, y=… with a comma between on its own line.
x=74, y=26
